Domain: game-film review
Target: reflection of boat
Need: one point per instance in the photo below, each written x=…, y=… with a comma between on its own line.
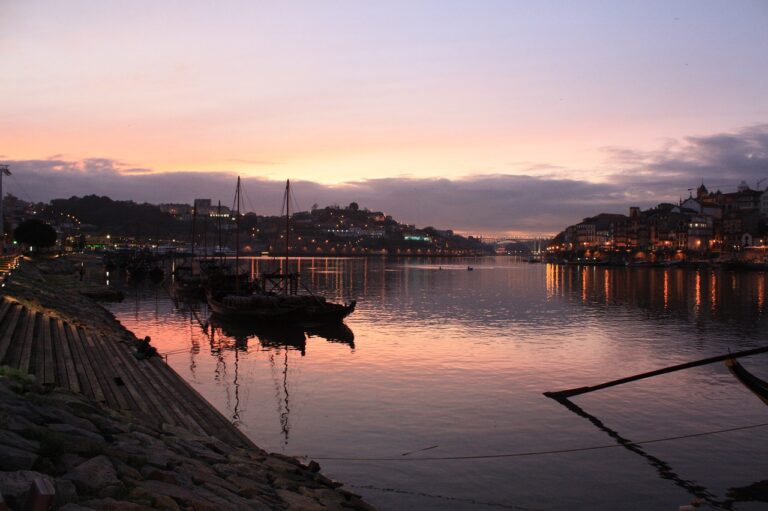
x=269, y=335
x=334, y=332
x=186, y=283
x=156, y=274
x=756, y=385
x=275, y=298
x=755, y=492
x=275, y=335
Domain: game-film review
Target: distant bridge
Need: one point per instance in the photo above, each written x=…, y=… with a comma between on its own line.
x=536, y=243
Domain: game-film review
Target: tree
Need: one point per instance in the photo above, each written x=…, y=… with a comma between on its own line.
x=354, y=206
x=35, y=233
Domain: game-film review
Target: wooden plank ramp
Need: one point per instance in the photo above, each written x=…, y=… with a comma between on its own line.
x=105, y=369
x=9, y=327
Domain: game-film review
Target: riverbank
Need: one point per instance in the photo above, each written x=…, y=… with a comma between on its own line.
x=136, y=439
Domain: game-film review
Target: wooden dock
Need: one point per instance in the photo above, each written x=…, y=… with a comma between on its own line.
x=104, y=368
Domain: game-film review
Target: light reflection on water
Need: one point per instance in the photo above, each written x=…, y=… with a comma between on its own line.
x=439, y=356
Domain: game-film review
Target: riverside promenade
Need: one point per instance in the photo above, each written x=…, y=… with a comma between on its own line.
x=159, y=442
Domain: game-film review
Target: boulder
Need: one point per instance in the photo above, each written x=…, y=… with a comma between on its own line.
x=72, y=430
x=94, y=476
x=16, y=459
x=12, y=439
x=110, y=504
x=297, y=502
x=15, y=485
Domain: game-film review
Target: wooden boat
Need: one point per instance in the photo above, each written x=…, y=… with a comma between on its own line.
x=275, y=298
x=753, y=383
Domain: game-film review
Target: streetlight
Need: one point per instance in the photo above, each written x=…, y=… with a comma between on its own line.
x=3, y=172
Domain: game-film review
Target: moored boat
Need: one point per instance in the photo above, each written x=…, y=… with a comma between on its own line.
x=275, y=297
x=753, y=383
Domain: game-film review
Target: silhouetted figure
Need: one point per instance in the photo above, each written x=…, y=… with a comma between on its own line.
x=144, y=350
x=82, y=271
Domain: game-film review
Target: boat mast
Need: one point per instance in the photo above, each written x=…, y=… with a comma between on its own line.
x=237, y=235
x=218, y=219
x=194, y=217
x=205, y=234
x=287, y=229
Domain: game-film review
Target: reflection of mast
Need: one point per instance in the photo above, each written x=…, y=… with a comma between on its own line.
x=662, y=467
x=287, y=410
x=195, y=348
x=283, y=405
x=220, y=373
x=236, y=411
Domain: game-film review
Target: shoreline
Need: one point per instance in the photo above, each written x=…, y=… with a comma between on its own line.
x=141, y=438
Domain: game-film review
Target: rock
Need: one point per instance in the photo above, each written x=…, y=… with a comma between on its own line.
x=325, y=496
x=145, y=439
x=12, y=439
x=108, y=426
x=192, y=468
x=165, y=503
x=325, y=481
x=94, y=476
x=202, y=453
x=297, y=502
x=75, y=507
x=69, y=429
x=288, y=459
x=14, y=485
x=70, y=461
x=16, y=459
x=110, y=504
x=162, y=458
x=281, y=466
x=155, y=474
x=248, y=488
x=142, y=428
x=65, y=492
x=286, y=484
x=125, y=471
x=54, y=414
x=182, y=495
x=20, y=424
x=358, y=504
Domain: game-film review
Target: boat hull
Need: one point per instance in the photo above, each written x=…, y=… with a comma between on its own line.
x=753, y=383
x=310, y=313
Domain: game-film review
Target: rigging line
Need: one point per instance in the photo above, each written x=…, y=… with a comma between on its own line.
x=553, y=451
x=23, y=190
x=189, y=306
x=247, y=202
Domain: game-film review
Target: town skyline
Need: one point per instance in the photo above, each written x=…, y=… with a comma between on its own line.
x=487, y=205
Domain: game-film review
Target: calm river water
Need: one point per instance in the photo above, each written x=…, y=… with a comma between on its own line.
x=441, y=362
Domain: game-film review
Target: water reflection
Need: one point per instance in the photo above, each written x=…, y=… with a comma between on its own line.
x=698, y=293
x=663, y=468
x=278, y=341
x=442, y=356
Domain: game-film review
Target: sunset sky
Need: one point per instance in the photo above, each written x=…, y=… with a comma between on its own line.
x=483, y=116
